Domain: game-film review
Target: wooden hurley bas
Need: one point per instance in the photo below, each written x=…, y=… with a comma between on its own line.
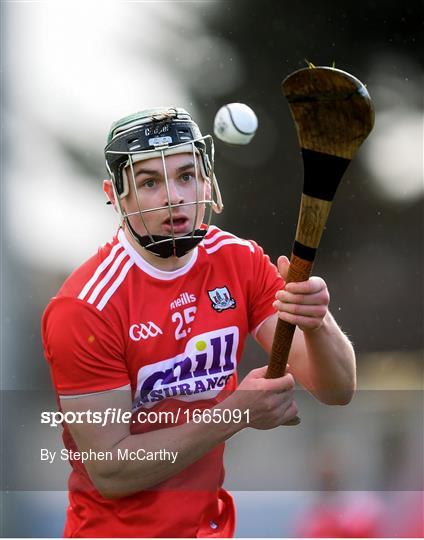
x=333, y=114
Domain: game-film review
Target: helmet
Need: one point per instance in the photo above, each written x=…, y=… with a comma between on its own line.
x=152, y=133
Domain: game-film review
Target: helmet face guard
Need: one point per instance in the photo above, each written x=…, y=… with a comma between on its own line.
x=160, y=133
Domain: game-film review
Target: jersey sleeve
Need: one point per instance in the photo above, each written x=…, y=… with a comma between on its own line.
x=85, y=352
x=264, y=282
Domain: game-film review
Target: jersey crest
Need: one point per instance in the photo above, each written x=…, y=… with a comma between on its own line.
x=221, y=299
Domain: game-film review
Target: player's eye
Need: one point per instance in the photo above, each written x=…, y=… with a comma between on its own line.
x=149, y=183
x=187, y=176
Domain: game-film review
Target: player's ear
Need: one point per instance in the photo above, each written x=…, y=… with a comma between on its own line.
x=108, y=189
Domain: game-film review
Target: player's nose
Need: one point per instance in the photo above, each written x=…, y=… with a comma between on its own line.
x=173, y=193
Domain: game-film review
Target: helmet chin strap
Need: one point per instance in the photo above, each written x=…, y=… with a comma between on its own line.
x=168, y=246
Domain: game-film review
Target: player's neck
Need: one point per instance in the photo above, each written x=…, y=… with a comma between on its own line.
x=168, y=265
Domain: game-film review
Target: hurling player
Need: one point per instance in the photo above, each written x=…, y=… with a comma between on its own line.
x=156, y=321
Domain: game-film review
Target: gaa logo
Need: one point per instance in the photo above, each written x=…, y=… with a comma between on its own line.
x=144, y=331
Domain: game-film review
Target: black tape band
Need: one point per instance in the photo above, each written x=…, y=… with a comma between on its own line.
x=304, y=252
x=322, y=174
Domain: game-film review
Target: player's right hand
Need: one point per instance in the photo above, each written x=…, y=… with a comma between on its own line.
x=270, y=401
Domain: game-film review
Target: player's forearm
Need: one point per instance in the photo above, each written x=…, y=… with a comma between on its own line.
x=185, y=444
x=331, y=363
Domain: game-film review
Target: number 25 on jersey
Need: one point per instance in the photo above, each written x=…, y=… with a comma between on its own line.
x=183, y=320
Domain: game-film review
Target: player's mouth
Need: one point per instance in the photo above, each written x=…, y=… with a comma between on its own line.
x=180, y=224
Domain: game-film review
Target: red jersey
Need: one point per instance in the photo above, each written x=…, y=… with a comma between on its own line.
x=175, y=338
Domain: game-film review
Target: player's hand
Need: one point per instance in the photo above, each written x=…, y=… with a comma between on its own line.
x=305, y=303
x=270, y=401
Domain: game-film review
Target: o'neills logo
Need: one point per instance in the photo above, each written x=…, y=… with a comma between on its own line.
x=201, y=372
x=182, y=300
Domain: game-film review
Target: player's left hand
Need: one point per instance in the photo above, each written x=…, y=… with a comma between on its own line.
x=305, y=303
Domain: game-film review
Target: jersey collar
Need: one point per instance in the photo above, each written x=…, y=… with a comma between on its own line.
x=150, y=269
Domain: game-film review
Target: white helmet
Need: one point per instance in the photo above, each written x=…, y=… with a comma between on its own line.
x=155, y=133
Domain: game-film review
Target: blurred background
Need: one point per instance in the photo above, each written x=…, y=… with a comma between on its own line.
x=69, y=69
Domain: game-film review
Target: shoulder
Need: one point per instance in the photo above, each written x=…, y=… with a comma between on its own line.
x=218, y=240
x=225, y=248
x=85, y=292
x=97, y=279
x=227, y=251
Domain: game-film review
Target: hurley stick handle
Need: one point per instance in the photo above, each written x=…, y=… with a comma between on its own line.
x=299, y=270
x=313, y=215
